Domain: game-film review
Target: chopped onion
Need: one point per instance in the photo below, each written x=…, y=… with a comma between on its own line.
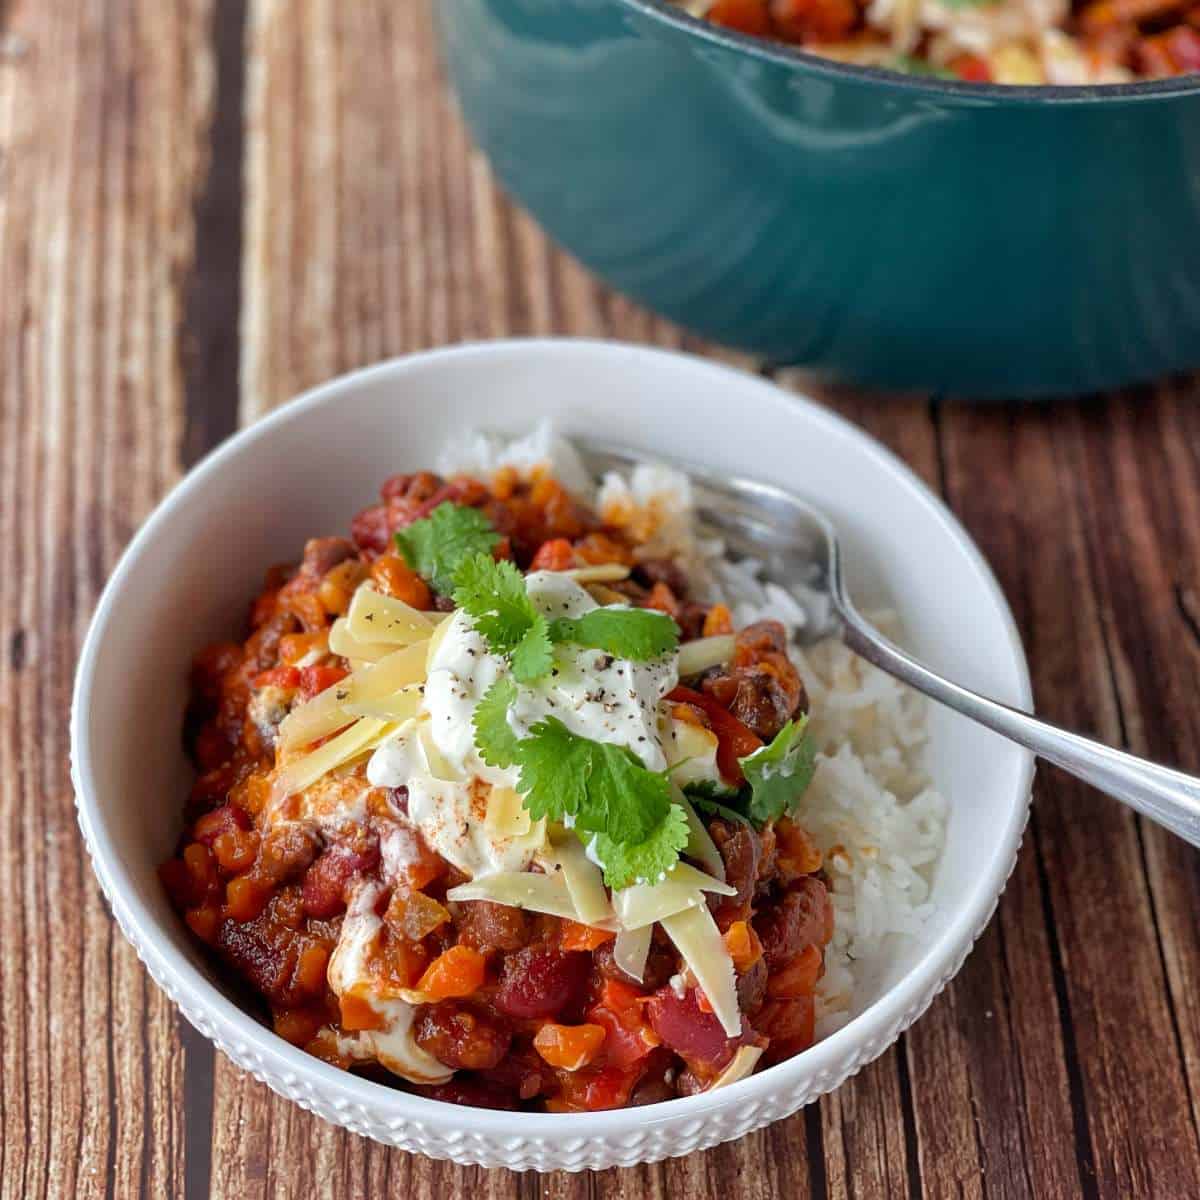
x=631, y=949
x=703, y=653
x=698, y=939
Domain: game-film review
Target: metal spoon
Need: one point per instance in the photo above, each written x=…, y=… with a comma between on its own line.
x=800, y=551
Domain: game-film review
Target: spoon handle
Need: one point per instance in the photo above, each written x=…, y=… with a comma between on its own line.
x=1164, y=795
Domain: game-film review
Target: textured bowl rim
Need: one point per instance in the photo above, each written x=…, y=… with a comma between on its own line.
x=1017, y=94
x=271, y=1059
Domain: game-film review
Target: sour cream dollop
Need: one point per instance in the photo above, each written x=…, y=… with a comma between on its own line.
x=594, y=694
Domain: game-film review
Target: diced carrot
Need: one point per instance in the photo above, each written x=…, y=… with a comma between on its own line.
x=357, y=1014
x=396, y=578
x=663, y=599
x=459, y=971
x=203, y=921
x=199, y=863
x=597, y=548
x=555, y=555
x=717, y=620
x=246, y=897
x=797, y=978
x=583, y=937
x=294, y=646
x=569, y=1047
x=746, y=16
x=743, y=945
x=298, y=1025
x=798, y=853
x=310, y=968
x=236, y=850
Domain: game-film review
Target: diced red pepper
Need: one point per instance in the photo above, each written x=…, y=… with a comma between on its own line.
x=314, y=680
x=734, y=740
x=281, y=677
x=620, y=1012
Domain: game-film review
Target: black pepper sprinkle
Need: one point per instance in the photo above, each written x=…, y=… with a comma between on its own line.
x=342, y=695
x=370, y=616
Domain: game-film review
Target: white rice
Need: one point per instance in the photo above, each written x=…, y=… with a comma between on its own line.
x=870, y=807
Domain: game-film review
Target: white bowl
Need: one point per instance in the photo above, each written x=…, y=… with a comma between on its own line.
x=188, y=575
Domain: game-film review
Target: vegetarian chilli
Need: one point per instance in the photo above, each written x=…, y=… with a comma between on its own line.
x=491, y=806
x=1068, y=42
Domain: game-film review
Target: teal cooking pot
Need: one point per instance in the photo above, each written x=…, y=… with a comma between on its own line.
x=883, y=229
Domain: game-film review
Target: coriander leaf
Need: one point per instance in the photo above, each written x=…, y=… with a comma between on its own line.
x=626, y=863
x=706, y=796
x=493, y=594
x=625, y=800
x=555, y=769
x=533, y=656
x=494, y=738
x=604, y=789
x=779, y=773
x=637, y=634
x=909, y=64
x=435, y=545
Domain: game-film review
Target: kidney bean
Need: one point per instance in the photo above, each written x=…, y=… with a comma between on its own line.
x=521, y=1071
x=476, y=1093
x=741, y=851
x=285, y=965
x=800, y=917
x=321, y=555
x=221, y=820
x=285, y=852
x=541, y=983
x=460, y=1036
x=752, y=986
x=486, y=927
x=371, y=531
x=662, y=570
x=660, y=966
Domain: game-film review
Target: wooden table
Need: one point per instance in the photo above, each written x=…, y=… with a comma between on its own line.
x=207, y=205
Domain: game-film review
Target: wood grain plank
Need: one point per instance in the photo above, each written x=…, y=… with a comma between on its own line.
x=1020, y=485
x=101, y=111
x=986, y=1074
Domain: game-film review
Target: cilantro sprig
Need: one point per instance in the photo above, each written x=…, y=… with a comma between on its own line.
x=638, y=634
x=602, y=791
x=437, y=545
x=777, y=776
x=494, y=595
